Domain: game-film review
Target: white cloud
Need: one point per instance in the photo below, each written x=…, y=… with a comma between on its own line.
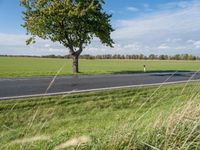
x=169, y=25
x=175, y=40
x=178, y=28
x=147, y=7
x=190, y=41
x=197, y=44
x=16, y=44
x=163, y=32
x=10, y=39
x=177, y=5
x=134, y=9
x=47, y=45
x=163, y=46
x=131, y=46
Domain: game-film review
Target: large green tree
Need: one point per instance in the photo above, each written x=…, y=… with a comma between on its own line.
x=72, y=23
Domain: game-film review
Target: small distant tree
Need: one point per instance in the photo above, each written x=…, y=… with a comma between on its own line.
x=177, y=57
x=72, y=23
x=152, y=56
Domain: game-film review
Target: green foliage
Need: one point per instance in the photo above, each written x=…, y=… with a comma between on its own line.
x=73, y=23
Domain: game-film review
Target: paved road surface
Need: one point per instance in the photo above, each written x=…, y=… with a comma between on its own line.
x=12, y=88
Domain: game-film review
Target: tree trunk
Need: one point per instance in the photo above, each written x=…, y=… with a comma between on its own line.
x=75, y=64
x=75, y=55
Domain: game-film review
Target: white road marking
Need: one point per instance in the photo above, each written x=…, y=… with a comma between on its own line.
x=93, y=90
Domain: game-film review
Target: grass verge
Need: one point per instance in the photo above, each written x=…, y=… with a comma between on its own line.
x=164, y=117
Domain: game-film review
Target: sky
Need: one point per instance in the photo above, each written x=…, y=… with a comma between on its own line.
x=141, y=27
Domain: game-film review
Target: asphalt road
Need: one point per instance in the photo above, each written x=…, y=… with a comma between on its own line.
x=13, y=88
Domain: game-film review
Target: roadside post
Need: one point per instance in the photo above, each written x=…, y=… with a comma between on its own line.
x=144, y=68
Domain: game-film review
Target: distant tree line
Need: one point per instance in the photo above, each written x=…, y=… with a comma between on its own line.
x=117, y=56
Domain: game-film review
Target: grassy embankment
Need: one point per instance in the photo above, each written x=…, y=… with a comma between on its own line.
x=27, y=67
x=166, y=117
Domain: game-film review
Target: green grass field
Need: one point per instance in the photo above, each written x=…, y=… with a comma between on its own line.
x=27, y=67
x=166, y=117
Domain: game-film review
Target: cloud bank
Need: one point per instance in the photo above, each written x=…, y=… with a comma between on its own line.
x=173, y=28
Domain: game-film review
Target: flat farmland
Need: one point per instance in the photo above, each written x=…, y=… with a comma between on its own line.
x=34, y=67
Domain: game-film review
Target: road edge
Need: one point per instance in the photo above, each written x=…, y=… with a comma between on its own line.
x=95, y=90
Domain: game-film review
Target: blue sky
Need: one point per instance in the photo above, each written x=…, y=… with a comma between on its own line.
x=11, y=16
x=141, y=26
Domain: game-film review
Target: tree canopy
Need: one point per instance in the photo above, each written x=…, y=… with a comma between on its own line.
x=73, y=23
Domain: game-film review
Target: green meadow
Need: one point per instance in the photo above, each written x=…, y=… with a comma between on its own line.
x=151, y=118
x=164, y=117
x=29, y=67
